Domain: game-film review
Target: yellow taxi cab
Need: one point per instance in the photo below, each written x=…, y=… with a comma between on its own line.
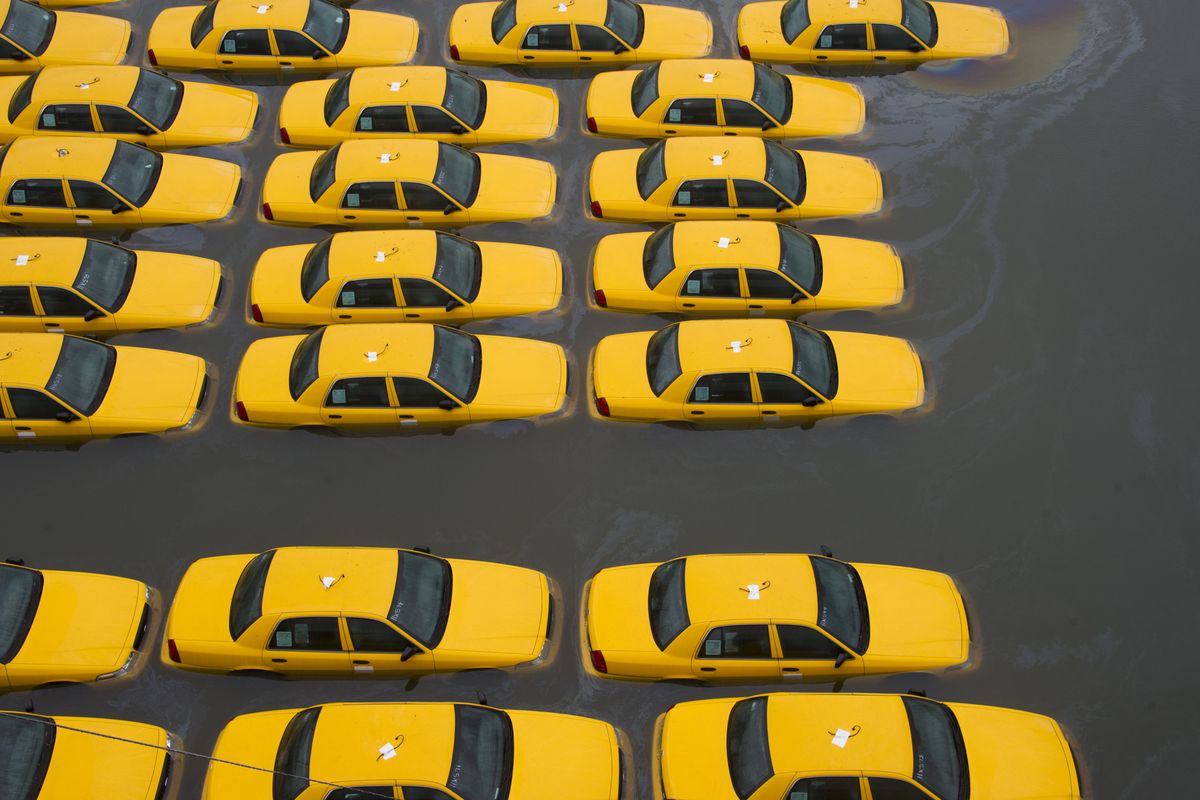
x=748, y=372
x=858, y=747
x=278, y=35
x=712, y=96
x=402, y=276
x=100, y=181
x=93, y=288
x=583, y=32
x=418, y=751
x=32, y=37
x=906, y=32
x=418, y=103
x=770, y=617
x=392, y=376
x=47, y=758
x=61, y=627
x=388, y=182
x=724, y=177
x=58, y=388
x=742, y=267
x=129, y=103
x=305, y=611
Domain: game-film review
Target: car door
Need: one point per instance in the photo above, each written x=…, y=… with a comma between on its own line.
x=785, y=399
x=690, y=115
x=38, y=200
x=414, y=792
x=742, y=118
x=359, y=401
x=706, y=198
x=771, y=292
x=370, y=299
x=893, y=44
x=17, y=313
x=426, y=203
x=36, y=415
x=382, y=120
x=370, y=203
x=547, y=44
x=757, y=200
x=597, y=43
x=807, y=653
x=712, y=290
x=419, y=402
x=844, y=43
x=68, y=119
x=735, y=650
x=307, y=645
x=123, y=123
x=95, y=204
x=895, y=789
x=429, y=302
x=722, y=397
x=357, y=792
x=297, y=51
x=8, y=435
x=433, y=123
x=66, y=310
x=832, y=787
x=246, y=49
x=378, y=647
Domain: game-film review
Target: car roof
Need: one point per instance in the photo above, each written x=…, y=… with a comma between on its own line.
x=348, y=737
x=715, y=586
x=364, y=580
x=86, y=84
x=730, y=76
x=708, y=344
x=546, y=12
x=414, y=159
x=55, y=259
x=750, y=243
x=28, y=358
x=840, y=11
x=398, y=348
x=245, y=13
x=405, y=252
x=801, y=727
x=419, y=84
x=692, y=157
x=68, y=156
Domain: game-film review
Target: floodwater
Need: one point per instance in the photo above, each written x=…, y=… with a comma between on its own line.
x=1041, y=209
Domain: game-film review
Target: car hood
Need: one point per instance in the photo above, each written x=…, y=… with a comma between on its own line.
x=1015, y=755
x=865, y=272
x=200, y=610
x=675, y=33
x=496, y=608
x=587, y=769
x=969, y=31
x=835, y=107
x=914, y=613
x=618, y=612
x=107, y=39
x=167, y=285
x=195, y=188
x=619, y=366
x=83, y=765
x=519, y=275
x=695, y=759
x=521, y=374
x=520, y=110
x=378, y=38
x=880, y=372
x=518, y=188
x=84, y=620
x=153, y=386
x=840, y=185
x=222, y=113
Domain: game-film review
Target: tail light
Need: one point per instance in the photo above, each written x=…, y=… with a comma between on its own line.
x=596, y=212
x=598, y=661
x=601, y=300
x=283, y=136
x=592, y=126
x=454, y=52
x=240, y=407
x=267, y=211
x=173, y=651
x=152, y=58
x=744, y=52
x=602, y=407
x=256, y=312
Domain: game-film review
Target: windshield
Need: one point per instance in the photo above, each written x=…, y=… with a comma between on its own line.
x=421, y=600
x=327, y=25
x=21, y=97
x=481, y=765
x=812, y=359
x=457, y=362
x=457, y=173
x=157, y=98
x=504, y=19
x=747, y=746
x=30, y=27
x=106, y=274
x=785, y=171
x=625, y=19
x=662, y=359
x=651, y=169
x=795, y=19
x=323, y=172
x=246, y=605
x=294, y=755
x=133, y=172
x=645, y=89
x=668, y=602
x=800, y=258
x=82, y=374
x=202, y=25
x=465, y=98
x=841, y=604
x=28, y=743
x=920, y=18
x=314, y=271
x=658, y=256
x=304, y=364
x=20, y=591
x=939, y=757
x=773, y=93
x=458, y=266
x=337, y=99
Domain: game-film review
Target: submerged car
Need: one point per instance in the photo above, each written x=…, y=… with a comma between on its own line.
x=32, y=37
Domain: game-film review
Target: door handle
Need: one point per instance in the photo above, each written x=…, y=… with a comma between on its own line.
x=708, y=669
x=413, y=316
x=668, y=130
x=335, y=416
x=822, y=58
x=349, y=216
x=681, y=215
x=698, y=413
x=279, y=660
x=881, y=58
x=23, y=428
x=527, y=58
x=768, y=413
x=53, y=324
x=226, y=62
x=585, y=58
x=791, y=669
x=360, y=661
x=285, y=63
x=689, y=305
x=17, y=213
x=731, y=133
x=345, y=316
x=406, y=416
x=743, y=216
x=754, y=306
x=413, y=219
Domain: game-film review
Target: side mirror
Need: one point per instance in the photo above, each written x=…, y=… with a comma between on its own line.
x=915, y=48
x=783, y=206
x=768, y=125
x=91, y=314
x=408, y=652
x=620, y=49
x=457, y=130
x=450, y=209
x=446, y=404
x=453, y=303
x=319, y=54
x=19, y=56
x=143, y=130
x=797, y=297
x=65, y=416
x=810, y=401
x=120, y=208
x=842, y=658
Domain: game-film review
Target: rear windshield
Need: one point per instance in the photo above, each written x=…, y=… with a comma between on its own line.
x=662, y=359
x=327, y=25
x=337, y=99
x=457, y=362
x=203, y=24
x=747, y=746
x=304, y=364
x=465, y=98
x=841, y=603
x=421, y=600
x=504, y=19
x=800, y=258
x=481, y=764
x=645, y=89
x=22, y=97
x=626, y=20
x=658, y=256
x=651, y=169
x=314, y=271
x=157, y=98
x=106, y=274
x=785, y=171
x=294, y=756
x=20, y=591
x=920, y=18
x=457, y=173
x=133, y=172
x=668, y=602
x=773, y=93
x=939, y=757
x=323, y=173
x=794, y=18
x=812, y=359
x=30, y=27
x=458, y=265
x=28, y=743
x=82, y=373
x=246, y=605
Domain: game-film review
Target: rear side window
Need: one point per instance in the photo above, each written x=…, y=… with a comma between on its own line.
x=651, y=169
x=504, y=19
x=662, y=359
x=748, y=747
x=645, y=89
x=203, y=24
x=294, y=756
x=246, y=606
x=668, y=602
x=22, y=97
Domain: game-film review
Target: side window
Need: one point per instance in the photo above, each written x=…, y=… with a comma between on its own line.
x=114, y=119
x=843, y=37
x=424, y=793
x=43, y=192
x=70, y=117
x=32, y=404
x=422, y=197
x=712, y=283
x=722, y=387
x=92, y=195
x=246, y=43
x=59, y=302
x=782, y=389
x=797, y=641
x=740, y=114
x=417, y=393
x=15, y=301
x=420, y=293
x=547, y=37
x=593, y=37
x=825, y=789
x=755, y=194
x=383, y=119
x=710, y=193
x=376, y=195
x=291, y=43
x=692, y=111
x=360, y=793
x=358, y=393
x=371, y=636
x=893, y=37
x=737, y=641
x=433, y=120
x=368, y=293
x=8, y=51
x=307, y=633
x=768, y=285
x=893, y=789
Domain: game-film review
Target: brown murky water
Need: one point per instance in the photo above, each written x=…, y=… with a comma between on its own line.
x=1042, y=212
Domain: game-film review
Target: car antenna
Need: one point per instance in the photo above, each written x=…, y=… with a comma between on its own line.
x=825, y=551
x=422, y=549
x=20, y=562
x=481, y=698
